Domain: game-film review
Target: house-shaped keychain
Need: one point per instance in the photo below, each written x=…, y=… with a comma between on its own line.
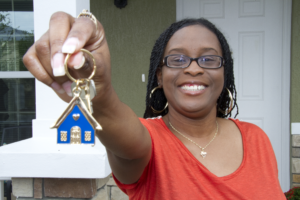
x=76, y=125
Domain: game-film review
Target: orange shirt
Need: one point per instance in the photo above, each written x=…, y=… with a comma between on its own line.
x=173, y=173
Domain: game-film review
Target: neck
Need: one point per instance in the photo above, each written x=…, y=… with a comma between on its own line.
x=199, y=127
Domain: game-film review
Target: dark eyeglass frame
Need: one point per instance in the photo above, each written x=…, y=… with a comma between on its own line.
x=193, y=59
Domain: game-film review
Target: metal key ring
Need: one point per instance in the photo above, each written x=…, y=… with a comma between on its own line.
x=66, y=65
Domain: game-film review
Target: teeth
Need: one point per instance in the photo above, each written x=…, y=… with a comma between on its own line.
x=193, y=87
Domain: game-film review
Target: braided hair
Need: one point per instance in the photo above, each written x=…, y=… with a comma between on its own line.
x=158, y=99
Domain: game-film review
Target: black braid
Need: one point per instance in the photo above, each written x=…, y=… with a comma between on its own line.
x=158, y=99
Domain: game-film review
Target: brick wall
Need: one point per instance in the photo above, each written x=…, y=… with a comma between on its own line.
x=295, y=160
x=50, y=188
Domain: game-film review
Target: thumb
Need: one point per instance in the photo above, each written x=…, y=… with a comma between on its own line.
x=80, y=65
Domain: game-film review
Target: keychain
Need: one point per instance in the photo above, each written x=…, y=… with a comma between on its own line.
x=77, y=125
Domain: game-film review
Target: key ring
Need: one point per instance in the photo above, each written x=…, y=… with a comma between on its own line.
x=67, y=71
x=77, y=125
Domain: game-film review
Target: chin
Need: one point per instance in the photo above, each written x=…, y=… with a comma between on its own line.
x=196, y=110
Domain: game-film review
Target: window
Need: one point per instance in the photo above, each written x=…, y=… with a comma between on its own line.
x=17, y=85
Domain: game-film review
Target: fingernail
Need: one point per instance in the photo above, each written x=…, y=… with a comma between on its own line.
x=56, y=87
x=70, y=45
x=58, y=65
x=67, y=87
x=81, y=64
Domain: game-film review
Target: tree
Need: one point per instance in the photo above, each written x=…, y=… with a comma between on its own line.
x=12, y=48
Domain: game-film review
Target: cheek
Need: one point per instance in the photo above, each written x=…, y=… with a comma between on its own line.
x=221, y=77
x=218, y=79
x=220, y=73
x=169, y=76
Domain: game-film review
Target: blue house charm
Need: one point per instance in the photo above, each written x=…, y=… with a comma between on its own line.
x=76, y=125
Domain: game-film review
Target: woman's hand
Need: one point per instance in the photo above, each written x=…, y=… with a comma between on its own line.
x=127, y=141
x=66, y=34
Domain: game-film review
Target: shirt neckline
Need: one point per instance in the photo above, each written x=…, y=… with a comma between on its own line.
x=226, y=177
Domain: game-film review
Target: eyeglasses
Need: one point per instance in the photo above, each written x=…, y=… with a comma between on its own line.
x=182, y=61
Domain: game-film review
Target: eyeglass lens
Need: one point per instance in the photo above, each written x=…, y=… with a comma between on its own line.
x=181, y=61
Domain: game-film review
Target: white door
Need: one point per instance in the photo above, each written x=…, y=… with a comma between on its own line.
x=258, y=31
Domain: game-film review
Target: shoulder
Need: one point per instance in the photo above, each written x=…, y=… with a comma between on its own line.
x=241, y=128
x=153, y=125
x=249, y=128
x=252, y=133
x=256, y=141
x=151, y=122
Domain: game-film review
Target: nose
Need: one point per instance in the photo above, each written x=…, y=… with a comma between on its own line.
x=194, y=69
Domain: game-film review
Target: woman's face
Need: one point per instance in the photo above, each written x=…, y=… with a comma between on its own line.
x=193, y=41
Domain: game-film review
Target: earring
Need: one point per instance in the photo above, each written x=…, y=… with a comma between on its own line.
x=230, y=106
x=157, y=111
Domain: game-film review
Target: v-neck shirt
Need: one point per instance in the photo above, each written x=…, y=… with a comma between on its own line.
x=174, y=173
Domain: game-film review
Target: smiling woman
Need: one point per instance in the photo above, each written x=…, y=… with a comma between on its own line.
x=185, y=148
x=193, y=41
x=158, y=52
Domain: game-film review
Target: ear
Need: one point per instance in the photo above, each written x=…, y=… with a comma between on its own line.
x=159, y=76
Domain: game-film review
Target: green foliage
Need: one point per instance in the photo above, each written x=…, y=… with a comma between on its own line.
x=12, y=45
x=5, y=23
x=293, y=194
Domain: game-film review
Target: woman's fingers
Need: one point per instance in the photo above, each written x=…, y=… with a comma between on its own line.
x=80, y=65
x=60, y=25
x=45, y=59
x=77, y=60
x=69, y=35
x=37, y=61
x=33, y=64
x=43, y=52
x=82, y=33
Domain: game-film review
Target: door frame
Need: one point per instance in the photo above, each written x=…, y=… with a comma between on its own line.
x=285, y=97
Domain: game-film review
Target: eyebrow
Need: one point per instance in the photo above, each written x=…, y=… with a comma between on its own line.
x=182, y=50
x=210, y=49
x=176, y=49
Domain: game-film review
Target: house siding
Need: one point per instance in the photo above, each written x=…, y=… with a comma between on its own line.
x=295, y=92
x=295, y=63
x=131, y=33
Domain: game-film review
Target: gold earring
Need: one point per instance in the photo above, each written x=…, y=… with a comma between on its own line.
x=230, y=106
x=157, y=111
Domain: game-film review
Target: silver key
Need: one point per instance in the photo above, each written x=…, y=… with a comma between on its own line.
x=82, y=94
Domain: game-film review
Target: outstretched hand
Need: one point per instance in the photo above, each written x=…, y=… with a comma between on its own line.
x=66, y=34
x=127, y=141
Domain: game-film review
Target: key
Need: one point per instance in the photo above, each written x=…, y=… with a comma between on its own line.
x=76, y=125
x=92, y=91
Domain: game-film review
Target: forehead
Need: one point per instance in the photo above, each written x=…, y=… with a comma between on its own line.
x=193, y=39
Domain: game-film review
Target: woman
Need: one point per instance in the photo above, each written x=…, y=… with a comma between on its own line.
x=192, y=151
